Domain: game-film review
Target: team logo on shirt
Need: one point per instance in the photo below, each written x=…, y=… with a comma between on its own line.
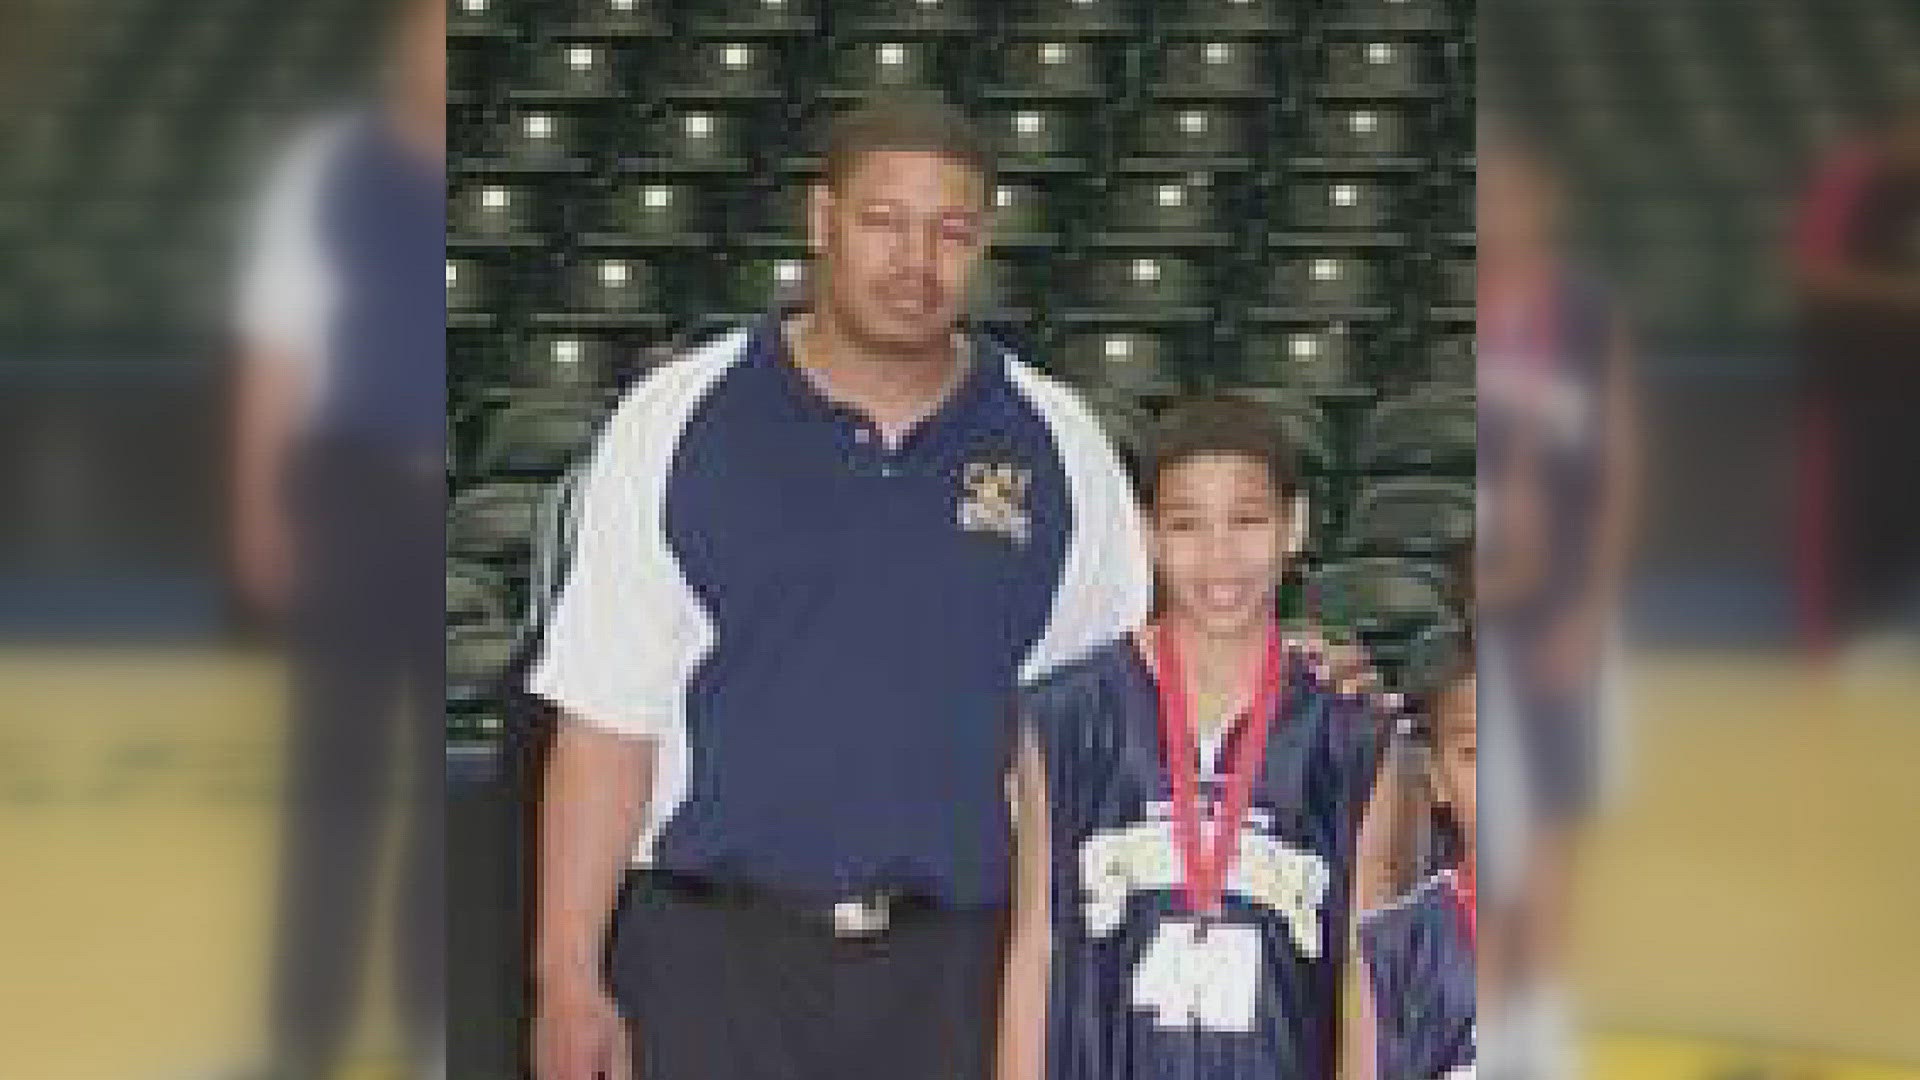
x=993, y=499
x=1142, y=856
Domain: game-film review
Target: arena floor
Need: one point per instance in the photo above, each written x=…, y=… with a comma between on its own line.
x=1751, y=912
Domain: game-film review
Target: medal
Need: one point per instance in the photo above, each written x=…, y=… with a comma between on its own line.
x=1199, y=972
x=1206, y=865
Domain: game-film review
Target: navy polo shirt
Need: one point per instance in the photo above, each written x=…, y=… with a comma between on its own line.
x=344, y=281
x=384, y=221
x=825, y=632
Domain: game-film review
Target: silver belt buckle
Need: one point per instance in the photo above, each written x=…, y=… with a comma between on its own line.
x=860, y=918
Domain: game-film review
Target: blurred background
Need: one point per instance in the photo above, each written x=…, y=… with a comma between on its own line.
x=144, y=703
x=1736, y=178
x=1290, y=212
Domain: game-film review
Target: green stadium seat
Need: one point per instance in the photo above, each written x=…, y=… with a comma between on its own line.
x=1361, y=203
x=904, y=18
x=567, y=71
x=735, y=19
x=1004, y=292
x=1038, y=139
x=470, y=302
x=1143, y=288
x=1447, y=360
x=1401, y=16
x=1316, y=359
x=539, y=435
x=609, y=19
x=1374, y=130
x=1431, y=431
x=1044, y=70
x=752, y=286
x=1375, y=67
x=652, y=212
x=1411, y=517
x=495, y=522
x=477, y=594
x=723, y=71
x=1128, y=423
x=1304, y=424
x=1072, y=19
x=1459, y=283
x=477, y=659
x=1271, y=18
x=1189, y=138
x=1130, y=363
x=609, y=291
x=481, y=18
x=1386, y=604
x=1025, y=215
x=538, y=139
x=1327, y=283
x=1177, y=210
x=858, y=69
x=493, y=213
x=564, y=363
x=689, y=139
x=1215, y=70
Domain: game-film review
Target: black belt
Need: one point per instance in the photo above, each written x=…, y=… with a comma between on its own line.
x=855, y=916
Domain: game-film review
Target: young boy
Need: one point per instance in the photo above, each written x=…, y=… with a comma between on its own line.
x=1419, y=952
x=1194, y=793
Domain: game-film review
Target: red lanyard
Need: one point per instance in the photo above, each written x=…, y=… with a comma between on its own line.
x=1466, y=895
x=1206, y=870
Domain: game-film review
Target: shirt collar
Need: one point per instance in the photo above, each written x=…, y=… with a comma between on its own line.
x=986, y=367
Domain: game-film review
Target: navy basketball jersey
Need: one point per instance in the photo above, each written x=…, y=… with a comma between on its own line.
x=1420, y=956
x=1117, y=877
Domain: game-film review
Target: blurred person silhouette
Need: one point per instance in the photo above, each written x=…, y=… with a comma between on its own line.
x=1858, y=272
x=339, y=510
x=1557, y=495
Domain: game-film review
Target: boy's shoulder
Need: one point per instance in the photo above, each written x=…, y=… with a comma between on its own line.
x=1078, y=682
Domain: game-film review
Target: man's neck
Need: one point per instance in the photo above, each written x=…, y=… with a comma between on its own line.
x=896, y=390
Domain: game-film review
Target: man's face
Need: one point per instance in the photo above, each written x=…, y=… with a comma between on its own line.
x=1220, y=538
x=898, y=239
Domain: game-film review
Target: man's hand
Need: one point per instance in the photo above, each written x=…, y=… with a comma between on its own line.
x=1344, y=665
x=578, y=1034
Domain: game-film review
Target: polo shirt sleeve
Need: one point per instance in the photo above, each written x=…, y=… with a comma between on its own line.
x=626, y=632
x=285, y=285
x=1106, y=583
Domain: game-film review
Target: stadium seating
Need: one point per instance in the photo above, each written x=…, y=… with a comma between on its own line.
x=1257, y=196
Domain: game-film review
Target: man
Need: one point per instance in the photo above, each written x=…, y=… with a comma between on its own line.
x=1859, y=275
x=812, y=561
x=339, y=524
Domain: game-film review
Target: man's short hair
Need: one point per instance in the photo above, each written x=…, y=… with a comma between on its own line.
x=924, y=123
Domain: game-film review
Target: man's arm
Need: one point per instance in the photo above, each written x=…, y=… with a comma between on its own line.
x=1023, y=1011
x=594, y=805
x=591, y=813
x=267, y=402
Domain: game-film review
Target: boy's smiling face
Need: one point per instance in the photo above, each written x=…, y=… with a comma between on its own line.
x=1221, y=535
